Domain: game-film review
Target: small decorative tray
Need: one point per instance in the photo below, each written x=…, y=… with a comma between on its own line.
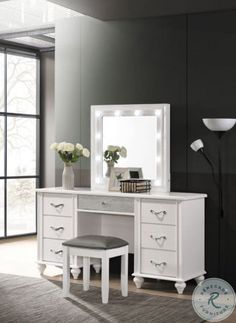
x=135, y=186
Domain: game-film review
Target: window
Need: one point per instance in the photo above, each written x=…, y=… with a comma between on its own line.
x=19, y=142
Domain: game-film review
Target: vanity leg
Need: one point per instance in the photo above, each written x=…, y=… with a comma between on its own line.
x=180, y=286
x=41, y=268
x=97, y=266
x=138, y=281
x=75, y=272
x=199, y=279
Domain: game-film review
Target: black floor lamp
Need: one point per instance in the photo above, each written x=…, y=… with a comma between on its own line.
x=220, y=127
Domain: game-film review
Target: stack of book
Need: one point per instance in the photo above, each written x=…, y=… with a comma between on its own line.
x=135, y=186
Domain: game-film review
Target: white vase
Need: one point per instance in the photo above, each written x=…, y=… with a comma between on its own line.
x=68, y=177
x=110, y=165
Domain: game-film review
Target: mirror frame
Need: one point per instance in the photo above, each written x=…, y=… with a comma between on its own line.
x=162, y=113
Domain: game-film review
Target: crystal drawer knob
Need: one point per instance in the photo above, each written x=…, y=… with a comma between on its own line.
x=156, y=264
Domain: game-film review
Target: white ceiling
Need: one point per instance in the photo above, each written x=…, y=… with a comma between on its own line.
x=31, y=22
x=27, y=14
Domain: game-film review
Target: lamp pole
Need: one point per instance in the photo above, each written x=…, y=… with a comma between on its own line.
x=220, y=181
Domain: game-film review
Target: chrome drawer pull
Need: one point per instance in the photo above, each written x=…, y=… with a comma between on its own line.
x=56, y=252
x=158, y=238
x=158, y=264
x=158, y=213
x=57, y=205
x=56, y=229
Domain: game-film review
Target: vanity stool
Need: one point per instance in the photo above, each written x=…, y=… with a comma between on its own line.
x=96, y=247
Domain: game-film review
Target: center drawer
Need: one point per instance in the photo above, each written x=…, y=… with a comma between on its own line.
x=106, y=203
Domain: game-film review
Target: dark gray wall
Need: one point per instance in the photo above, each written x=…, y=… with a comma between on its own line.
x=130, y=9
x=211, y=93
x=47, y=96
x=188, y=61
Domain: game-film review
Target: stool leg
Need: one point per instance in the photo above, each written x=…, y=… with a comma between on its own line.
x=66, y=272
x=124, y=274
x=86, y=273
x=105, y=279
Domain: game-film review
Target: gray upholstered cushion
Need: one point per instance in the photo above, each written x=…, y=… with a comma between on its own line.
x=96, y=242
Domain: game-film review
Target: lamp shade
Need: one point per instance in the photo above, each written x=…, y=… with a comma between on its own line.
x=219, y=124
x=197, y=144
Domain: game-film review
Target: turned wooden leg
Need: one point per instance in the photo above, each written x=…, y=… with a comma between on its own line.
x=199, y=279
x=97, y=266
x=75, y=272
x=180, y=286
x=41, y=268
x=138, y=281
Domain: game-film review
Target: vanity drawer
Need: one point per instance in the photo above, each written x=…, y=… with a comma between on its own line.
x=57, y=227
x=159, y=212
x=158, y=262
x=106, y=203
x=158, y=236
x=57, y=205
x=52, y=250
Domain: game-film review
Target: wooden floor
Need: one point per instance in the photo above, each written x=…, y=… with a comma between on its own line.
x=19, y=257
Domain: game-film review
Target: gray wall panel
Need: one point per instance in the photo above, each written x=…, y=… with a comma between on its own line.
x=47, y=96
x=67, y=87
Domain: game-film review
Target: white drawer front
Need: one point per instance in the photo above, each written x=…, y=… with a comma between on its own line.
x=52, y=250
x=159, y=212
x=158, y=236
x=57, y=205
x=158, y=262
x=106, y=203
x=57, y=227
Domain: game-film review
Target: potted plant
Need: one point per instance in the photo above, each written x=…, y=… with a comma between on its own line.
x=69, y=154
x=111, y=156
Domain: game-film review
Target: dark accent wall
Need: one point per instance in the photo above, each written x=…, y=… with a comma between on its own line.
x=212, y=93
x=188, y=61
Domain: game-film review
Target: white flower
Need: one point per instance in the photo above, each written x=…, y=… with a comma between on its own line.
x=79, y=146
x=123, y=152
x=68, y=147
x=85, y=152
x=54, y=146
x=60, y=146
x=113, y=148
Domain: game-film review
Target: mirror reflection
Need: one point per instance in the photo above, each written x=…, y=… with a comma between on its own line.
x=138, y=134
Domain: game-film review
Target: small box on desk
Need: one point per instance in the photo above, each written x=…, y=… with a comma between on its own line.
x=135, y=186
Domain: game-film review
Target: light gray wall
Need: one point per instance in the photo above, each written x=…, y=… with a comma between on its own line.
x=120, y=62
x=67, y=88
x=47, y=95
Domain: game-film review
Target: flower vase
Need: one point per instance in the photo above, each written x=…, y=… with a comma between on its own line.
x=110, y=165
x=68, y=177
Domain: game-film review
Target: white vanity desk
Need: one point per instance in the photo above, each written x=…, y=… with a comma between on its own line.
x=165, y=230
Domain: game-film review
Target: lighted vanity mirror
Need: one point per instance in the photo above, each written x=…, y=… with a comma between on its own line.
x=144, y=130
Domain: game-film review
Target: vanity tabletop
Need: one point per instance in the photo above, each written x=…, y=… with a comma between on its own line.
x=152, y=195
